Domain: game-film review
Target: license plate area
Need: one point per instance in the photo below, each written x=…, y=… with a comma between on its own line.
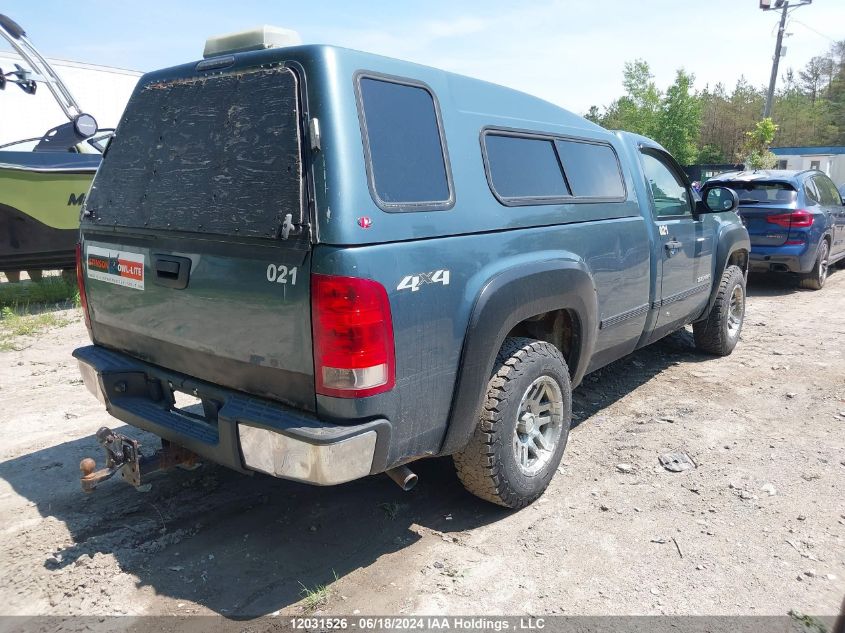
x=192, y=404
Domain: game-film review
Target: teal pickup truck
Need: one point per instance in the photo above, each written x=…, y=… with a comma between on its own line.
x=322, y=264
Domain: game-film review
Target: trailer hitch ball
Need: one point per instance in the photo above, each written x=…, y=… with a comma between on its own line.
x=123, y=456
x=87, y=466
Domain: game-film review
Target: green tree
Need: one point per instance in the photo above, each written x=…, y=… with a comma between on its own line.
x=639, y=109
x=835, y=124
x=710, y=155
x=755, y=151
x=809, y=109
x=594, y=115
x=679, y=119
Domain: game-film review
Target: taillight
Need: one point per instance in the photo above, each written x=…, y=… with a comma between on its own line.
x=80, y=283
x=797, y=219
x=353, y=337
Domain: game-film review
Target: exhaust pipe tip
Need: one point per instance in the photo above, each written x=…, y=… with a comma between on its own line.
x=404, y=477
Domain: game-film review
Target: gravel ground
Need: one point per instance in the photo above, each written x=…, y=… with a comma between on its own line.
x=758, y=527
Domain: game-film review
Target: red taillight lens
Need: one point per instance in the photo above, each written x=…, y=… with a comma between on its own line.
x=353, y=337
x=796, y=220
x=80, y=283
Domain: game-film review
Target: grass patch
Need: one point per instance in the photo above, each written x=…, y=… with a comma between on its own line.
x=14, y=325
x=315, y=597
x=20, y=297
x=808, y=623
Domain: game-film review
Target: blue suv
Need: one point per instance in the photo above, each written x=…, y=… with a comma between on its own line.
x=795, y=219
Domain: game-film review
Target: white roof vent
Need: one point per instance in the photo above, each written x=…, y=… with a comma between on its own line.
x=256, y=39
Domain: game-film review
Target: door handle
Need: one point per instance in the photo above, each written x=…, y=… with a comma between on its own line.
x=171, y=271
x=672, y=246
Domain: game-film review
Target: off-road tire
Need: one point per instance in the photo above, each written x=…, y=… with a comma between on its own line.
x=487, y=466
x=718, y=333
x=815, y=279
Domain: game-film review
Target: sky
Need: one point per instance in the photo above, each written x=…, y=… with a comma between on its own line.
x=571, y=53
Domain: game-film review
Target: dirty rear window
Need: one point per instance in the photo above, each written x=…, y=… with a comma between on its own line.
x=216, y=154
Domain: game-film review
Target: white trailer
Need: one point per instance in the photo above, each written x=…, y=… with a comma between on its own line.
x=101, y=91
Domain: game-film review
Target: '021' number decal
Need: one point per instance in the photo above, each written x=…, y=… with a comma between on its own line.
x=413, y=282
x=281, y=274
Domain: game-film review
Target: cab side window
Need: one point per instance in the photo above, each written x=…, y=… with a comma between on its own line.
x=669, y=192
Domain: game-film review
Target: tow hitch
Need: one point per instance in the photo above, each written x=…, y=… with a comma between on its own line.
x=123, y=455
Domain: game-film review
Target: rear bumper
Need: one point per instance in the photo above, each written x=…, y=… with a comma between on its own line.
x=233, y=429
x=798, y=258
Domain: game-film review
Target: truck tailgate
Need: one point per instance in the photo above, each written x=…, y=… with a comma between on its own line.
x=188, y=260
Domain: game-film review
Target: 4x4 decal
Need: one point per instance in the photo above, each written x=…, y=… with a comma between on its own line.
x=415, y=281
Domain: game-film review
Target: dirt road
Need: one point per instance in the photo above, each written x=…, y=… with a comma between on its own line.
x=757, y=528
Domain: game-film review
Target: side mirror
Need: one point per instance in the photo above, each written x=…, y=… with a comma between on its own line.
x=718, y=200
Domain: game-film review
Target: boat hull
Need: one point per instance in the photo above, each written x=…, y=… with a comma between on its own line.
x=39, y=212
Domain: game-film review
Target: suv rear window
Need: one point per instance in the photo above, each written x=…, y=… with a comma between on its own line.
x=403, y=146
x=762, y=192
x=211, y=154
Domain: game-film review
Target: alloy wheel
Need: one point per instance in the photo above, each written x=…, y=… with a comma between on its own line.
x=538, y=426
x=736, y=310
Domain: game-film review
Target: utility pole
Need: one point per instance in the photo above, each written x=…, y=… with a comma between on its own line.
x=783, y=5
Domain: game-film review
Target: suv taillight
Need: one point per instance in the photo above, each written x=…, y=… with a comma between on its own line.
x=80, y=283
x=797, y=219
x=353, y=337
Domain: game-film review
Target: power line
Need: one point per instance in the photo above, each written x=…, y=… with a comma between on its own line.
x=827, y=37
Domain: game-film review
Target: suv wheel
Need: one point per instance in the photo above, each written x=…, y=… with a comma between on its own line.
x=519, y=440
x=719, y=332
x=816, y=278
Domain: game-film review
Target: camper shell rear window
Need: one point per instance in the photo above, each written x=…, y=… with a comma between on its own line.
x=210, y=154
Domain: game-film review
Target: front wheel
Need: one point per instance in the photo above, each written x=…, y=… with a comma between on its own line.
x=524, y=424
x=719, y=332
x=816, y=277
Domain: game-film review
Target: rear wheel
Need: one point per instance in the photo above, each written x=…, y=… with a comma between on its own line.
x=815, y=279
x=719, y=332
x=519, y=440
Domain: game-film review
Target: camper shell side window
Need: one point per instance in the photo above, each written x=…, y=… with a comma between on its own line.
x=404, y=144
x=533, y=168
